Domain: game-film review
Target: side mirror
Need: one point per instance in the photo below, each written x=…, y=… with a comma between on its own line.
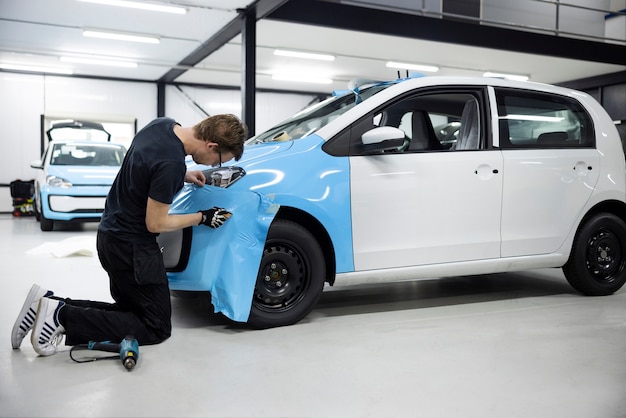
x=38, y=164
x=384, y=138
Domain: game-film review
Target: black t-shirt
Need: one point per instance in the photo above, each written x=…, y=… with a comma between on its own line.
x=154, y=167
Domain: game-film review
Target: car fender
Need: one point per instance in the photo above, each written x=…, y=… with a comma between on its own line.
x=225, y=260
x=322, y=182
x=608, y=201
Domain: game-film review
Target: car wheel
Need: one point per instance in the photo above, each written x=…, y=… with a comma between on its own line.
x=597, y=265
x=45, y=224
x=291, y=276
x=36, y=212
x=36, y=206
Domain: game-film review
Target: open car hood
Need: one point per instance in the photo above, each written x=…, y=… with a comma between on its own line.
x=68, y=130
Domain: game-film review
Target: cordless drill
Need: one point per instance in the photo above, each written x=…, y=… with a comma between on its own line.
x=128, y=349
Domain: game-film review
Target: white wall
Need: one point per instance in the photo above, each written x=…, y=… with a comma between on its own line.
x=271, y=108
x=21, y=104
x=24, y=98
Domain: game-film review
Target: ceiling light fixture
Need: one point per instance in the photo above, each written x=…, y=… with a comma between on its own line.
x=155, y=7
x=416, y=67
x=36, y=68
x=99, y=61
x=507, y=76
x=119, y=36
x=306, y=55
x=301, y=78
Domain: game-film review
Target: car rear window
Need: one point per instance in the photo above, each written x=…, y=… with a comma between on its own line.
x=542, y=120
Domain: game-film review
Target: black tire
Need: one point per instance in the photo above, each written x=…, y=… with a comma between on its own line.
x=597, y=263
x=291, y=276
x=36, y=207
x=45, y=224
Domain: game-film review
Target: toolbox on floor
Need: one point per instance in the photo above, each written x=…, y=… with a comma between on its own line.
x=22, y=193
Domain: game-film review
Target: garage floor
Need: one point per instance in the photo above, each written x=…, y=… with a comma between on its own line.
x=506, y=345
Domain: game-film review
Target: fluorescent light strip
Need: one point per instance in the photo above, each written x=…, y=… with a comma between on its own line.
x=98, y=61
x=305, y=55
x=155, y=7
x=535, y=118
x=507, y=76
x=36, y=68
x=416, y=67
x=301, y=78
x=90, y=33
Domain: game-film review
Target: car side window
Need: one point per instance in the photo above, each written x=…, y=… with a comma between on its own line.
x=542, y=120
x=427, y=122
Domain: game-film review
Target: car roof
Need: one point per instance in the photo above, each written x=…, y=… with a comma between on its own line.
x=484, y=81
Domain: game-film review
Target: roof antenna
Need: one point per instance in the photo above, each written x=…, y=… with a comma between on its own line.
x=407, y=73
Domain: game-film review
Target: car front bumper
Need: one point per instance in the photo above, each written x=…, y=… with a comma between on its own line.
x=74, y=203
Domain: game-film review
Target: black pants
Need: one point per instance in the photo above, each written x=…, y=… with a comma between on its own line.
x=139, y=288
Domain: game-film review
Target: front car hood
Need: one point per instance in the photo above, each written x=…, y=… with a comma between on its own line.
x=251, y=155
x=85, y=175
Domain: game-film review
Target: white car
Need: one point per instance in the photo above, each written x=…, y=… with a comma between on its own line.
x=535, y=178
x=75, y=173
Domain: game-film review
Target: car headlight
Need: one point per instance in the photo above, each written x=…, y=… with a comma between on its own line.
x=55, y=181
x=223, y=176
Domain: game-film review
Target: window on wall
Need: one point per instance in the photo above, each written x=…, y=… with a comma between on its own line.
x=537, y=120
x=122, y=133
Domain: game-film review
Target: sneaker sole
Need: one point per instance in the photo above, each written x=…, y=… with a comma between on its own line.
x=26, y=319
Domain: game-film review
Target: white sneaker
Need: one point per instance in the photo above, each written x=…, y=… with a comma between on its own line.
x=26, y=319
x=47, y=332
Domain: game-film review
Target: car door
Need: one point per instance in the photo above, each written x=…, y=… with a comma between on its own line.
x=551, y=167
x=425, y=202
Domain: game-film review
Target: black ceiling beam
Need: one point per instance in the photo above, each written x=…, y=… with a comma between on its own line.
x=596, y=81
x=355, y=18
x=248, y=74
x=260, y=9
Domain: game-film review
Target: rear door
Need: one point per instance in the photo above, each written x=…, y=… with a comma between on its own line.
x=551, y=167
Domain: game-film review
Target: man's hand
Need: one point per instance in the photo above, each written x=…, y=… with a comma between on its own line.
x=214, y=217
x=196, y=177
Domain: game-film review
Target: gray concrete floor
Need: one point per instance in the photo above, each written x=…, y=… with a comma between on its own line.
x=506, y=345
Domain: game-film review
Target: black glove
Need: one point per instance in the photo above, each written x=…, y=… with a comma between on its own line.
x=214, y=217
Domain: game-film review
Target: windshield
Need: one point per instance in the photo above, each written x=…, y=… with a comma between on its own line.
x=312, y=118
x=93, y=155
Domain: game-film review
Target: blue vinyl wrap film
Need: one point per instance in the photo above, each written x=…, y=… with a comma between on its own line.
x=225, y=261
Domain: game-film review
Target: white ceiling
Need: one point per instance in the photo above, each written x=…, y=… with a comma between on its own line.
x=40, y=31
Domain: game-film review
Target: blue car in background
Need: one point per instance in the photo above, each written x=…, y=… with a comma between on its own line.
x=361, y=187
x=75, y=173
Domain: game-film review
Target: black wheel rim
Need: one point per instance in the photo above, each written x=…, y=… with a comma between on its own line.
x=282, y=279
x=604, y=256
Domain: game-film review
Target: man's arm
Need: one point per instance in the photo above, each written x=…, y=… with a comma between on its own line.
x=159, y=220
